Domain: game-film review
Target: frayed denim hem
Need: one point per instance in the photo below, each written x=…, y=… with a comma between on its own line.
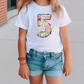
x=54, y=73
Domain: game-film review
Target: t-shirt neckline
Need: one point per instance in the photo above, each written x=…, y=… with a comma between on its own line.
x=41, y=7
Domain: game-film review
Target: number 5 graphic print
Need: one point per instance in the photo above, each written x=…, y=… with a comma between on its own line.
x=44, y=25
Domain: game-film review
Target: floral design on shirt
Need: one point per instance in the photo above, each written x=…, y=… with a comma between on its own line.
x=44, y=25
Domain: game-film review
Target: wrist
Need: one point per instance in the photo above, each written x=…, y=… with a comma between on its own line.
x=67, y=57
x=67, y=60
x=23, y=62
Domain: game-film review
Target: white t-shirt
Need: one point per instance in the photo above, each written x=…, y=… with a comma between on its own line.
x=43, y=27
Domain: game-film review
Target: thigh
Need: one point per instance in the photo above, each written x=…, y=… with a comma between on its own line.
x=36, y=79
x=54, y=70
x=55, y=80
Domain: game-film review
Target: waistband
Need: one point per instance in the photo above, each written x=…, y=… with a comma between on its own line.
x=34, y=52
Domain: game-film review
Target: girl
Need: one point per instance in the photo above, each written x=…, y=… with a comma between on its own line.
x=43, y=35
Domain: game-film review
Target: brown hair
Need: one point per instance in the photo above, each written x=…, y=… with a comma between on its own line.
x=56, y=8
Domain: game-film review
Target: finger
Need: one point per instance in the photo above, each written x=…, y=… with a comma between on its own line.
x=23, y=76
x=26, y=77
x=66, y=73
x=69, y=72
x=63, y=71
x=27, y=73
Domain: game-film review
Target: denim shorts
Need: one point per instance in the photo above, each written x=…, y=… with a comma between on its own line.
x=48, y=63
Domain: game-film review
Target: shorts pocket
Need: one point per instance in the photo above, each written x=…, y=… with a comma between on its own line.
x=29, y=56
x=57, y=56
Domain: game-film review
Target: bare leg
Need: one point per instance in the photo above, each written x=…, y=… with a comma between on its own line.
x=36, y=79
x=54, y=80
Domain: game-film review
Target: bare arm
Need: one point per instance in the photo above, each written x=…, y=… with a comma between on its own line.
x=21, y=44
x=66, y=43
x=67, y=68
x=23, y=70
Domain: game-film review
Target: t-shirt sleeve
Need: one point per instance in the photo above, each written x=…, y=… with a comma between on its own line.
x=65, y=20
x=22, y=19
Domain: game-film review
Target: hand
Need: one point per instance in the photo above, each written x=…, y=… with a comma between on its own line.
x=67, y=67
x=24, y=71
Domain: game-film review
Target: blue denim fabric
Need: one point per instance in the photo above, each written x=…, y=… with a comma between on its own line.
x=49, y=63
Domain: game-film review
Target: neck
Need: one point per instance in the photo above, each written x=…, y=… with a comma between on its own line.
x=42, y=2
